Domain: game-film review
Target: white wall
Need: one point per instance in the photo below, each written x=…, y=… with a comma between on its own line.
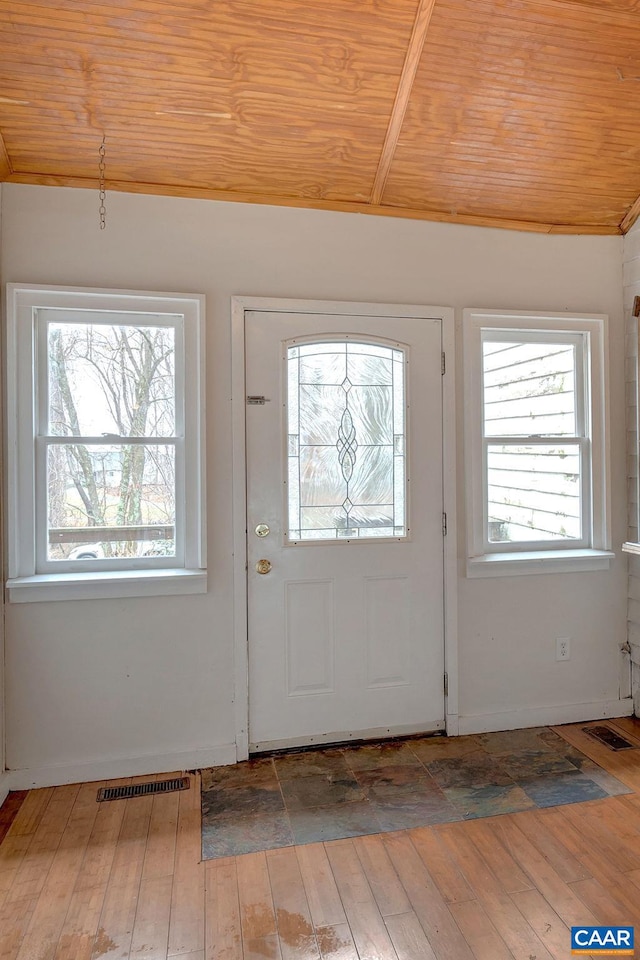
x=4, y=781
x=90, y=682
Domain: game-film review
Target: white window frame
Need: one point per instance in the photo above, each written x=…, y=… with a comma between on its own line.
x=592, y=552
x=31, y=576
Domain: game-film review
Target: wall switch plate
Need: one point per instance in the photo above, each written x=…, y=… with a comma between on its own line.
x=563, y=648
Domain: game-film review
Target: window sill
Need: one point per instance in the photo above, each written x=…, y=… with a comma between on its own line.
x=525, y=563
x=630, y=547
x=106, y=585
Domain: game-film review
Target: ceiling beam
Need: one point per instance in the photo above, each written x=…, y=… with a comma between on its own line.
x=631, y=217
x=403, y=93
x=5, y=164
x=343, y=206
x=595, y=10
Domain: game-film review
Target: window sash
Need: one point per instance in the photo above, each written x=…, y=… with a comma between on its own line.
x=580, y=343
x=580, y=438
x=583, y=446
x=43, y=317
x=44, y=565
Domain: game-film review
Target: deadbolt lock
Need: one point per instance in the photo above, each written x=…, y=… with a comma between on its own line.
x=262, y=530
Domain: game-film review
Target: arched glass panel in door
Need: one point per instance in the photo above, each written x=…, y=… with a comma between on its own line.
x=346, y=424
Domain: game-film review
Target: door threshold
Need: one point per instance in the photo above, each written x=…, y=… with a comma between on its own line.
x=341, y=737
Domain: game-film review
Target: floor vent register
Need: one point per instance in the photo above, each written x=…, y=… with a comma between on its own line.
x=610, y=739
x=142, y=789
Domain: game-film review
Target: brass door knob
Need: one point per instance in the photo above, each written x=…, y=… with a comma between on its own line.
x=263, y=566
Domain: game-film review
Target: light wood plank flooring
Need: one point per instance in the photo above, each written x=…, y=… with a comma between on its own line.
x=81, y=880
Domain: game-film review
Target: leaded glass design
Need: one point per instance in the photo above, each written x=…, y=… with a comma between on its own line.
x=346, y=441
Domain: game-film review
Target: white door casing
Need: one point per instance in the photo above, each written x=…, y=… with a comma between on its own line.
x=346, y=637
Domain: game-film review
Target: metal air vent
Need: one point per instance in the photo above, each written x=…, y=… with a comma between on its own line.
x=610, y=739
x=142, y=789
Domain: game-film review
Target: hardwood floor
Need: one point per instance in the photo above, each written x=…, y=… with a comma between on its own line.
x=82, y=881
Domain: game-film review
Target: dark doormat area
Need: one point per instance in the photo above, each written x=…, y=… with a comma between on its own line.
x=350, y=791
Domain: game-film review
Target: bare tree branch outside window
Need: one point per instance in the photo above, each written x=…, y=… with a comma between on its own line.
x=109, y=384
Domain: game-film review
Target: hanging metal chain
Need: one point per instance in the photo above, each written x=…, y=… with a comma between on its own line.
x=102, y=210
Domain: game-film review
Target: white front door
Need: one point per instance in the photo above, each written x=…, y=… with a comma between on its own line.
x=345, y=538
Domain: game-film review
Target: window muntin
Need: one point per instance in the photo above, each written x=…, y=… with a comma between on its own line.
x=536, y=450
x=346, y=441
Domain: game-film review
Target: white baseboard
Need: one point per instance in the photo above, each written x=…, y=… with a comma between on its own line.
x=5, y=787
x=452, y=724
x=54, y=776
x=545, y=716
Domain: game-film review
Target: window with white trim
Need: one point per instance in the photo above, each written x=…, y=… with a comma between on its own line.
x=535, y=442
x=105, y=426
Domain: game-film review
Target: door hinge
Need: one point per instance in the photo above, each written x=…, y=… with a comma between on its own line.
x=446, y=684
x=444, y=524
x=443, y=366
x=257, y=401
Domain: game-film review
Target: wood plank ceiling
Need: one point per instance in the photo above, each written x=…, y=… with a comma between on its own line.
x=511, y=113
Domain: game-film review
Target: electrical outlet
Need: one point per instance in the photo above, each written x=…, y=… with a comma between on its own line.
x=563, y=648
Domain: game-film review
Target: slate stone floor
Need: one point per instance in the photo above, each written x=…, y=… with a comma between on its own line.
x=349, y=791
